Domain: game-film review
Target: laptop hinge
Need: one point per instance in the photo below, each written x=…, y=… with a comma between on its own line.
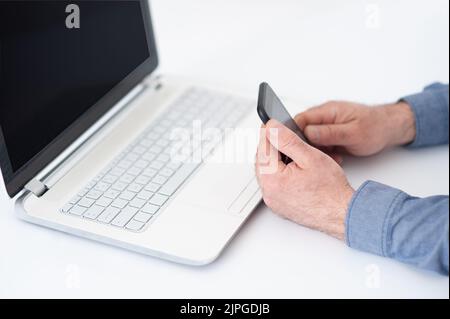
x=36, y=187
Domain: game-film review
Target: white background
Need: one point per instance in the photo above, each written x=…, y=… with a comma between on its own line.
x=310, y=50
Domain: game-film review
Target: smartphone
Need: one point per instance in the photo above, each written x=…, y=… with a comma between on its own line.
x=271, y=107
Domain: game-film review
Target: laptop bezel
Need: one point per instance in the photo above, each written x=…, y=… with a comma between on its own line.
x=15, y=181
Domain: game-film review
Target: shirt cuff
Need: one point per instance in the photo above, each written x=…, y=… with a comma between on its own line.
x=367, y=221
x=431, y=114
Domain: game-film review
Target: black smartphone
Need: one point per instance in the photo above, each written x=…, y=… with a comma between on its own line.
x=271, y=107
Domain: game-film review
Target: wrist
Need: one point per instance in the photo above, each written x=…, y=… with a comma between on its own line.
x=400, y=128
x=337, y=228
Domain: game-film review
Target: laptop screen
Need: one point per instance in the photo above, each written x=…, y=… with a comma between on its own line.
x=62, y=66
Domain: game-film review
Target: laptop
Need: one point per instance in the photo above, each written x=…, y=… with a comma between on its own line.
x=95, y=143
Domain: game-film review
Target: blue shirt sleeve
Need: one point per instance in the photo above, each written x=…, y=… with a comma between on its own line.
x=388, y=222
x=431, y=111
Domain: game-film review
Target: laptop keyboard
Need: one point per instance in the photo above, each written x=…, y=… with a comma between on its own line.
x=136, y=186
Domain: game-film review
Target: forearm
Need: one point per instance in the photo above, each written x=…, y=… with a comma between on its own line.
x=387, y=222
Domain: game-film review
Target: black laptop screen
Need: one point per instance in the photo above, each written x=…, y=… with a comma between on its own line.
x=62, y=66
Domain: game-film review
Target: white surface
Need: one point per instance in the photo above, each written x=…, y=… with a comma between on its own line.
x=309, y=50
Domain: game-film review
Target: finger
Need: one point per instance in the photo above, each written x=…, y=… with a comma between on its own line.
x=288, y=143
x=330, y=134
x=322, y=114
x=268, y=159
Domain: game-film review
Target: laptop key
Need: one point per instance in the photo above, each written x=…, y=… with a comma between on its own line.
x=141, y=164
x=104, y=201
x=145, y=195
x=110, y=179
x=155, y=149
x=117, y=171
x=93, y=212
x=142, y=217
x=134, y=171
x=92, y=183
x=166, y=123
x=124, y=217
x=119, y=186
x=139, y=150
x=137, y=203
x=119, y=203
x=159, y=179
x=112, y=193
x=173, y=165
x=75, y=200
x=86, y=202
x=135, y=188
x=152, y=187
x=159, y=129
x=94, y=194
x=178, y=178
x=78, y=210
x=132, y=157
x=152, y=136
x=127, y=178
x=158, y=199
x=108, y=215
x=102, y=187
x=166, y=172
x=125, y=164
x=150, y=172
x=146, y=143
x=148, y=156
x=83, y=192
x=150, y=209
x=163, y=143
x=157, y=165
x=168, y=151
x=135, y=225
x=143, y=180
x=164, y=158
x=127, y=195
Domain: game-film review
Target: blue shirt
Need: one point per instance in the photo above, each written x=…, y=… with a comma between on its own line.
x=386, y=221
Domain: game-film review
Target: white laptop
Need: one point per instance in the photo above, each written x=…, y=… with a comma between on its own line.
x=94, y=143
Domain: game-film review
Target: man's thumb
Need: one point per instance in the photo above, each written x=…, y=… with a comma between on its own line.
x=288, y=143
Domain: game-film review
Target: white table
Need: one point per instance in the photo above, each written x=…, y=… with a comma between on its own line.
x=309, y=50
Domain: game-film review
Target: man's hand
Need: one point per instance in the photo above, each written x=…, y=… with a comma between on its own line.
x=312, y=190
x=358, y=129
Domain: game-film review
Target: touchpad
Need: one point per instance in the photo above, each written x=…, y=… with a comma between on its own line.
x=219, y=186
x=226, y=182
